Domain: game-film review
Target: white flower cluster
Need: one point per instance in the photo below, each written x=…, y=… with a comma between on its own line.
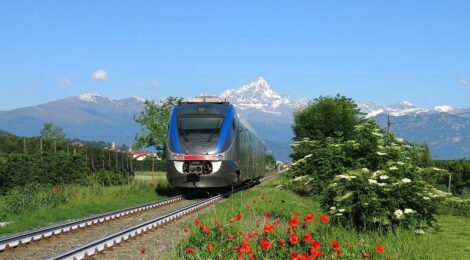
x=399, y=214
x=344, y=176
x=406, y=180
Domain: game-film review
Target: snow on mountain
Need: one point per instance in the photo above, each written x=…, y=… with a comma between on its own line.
x=259, y=95
x=89, y=97
x=372, y=109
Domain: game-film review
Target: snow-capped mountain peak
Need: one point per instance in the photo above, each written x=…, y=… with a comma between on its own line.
x=444, y=108
x=89, y=97
x=258, y=94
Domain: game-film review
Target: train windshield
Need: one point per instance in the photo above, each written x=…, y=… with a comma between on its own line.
x=199, y=134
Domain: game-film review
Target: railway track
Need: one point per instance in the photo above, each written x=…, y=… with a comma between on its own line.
x=104, y=243
x=36, y=235
x=92, y=247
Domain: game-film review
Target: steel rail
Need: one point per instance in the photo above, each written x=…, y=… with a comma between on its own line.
x=31, y=236
x=102, y=244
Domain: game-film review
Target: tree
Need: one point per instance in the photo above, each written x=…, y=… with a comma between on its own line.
x=270, y=161
x=154, y=121
x=327, y=117
x=52, y=132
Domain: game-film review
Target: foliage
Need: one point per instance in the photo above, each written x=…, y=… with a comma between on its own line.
x=23, y=162
x=270, y=161
x=326, y=117
x=30, y=197
x=154, y=121
x=371, y=177
x=52, y=132
x=460, y=170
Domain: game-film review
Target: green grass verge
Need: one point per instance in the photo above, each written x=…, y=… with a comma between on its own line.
x=148, y=176
x=451, y=242
x=85, y=201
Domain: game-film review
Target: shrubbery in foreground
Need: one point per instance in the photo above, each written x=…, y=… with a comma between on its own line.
x=369, y=181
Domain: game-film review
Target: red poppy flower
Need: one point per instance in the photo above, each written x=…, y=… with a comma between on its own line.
x=293, y=222
x=379, y=248
x=210, y=247
x=221, y=229
x=205, y=229
x=365, y=255
x=267, y=215
x=294, y=256
x=230, y=236
x=239, y=217
x=277, y=223
x=142, y=250
x=293, y=239
x=218, y=223
x=307, y=237
x=258, y=220
x=315, y=253
x=185, y=230
x=268, y=228
x=190, y=250
x=281, y=242
x=336, y=245
x=265, y=244
x=314, y=244
x=324, y=218
x=197, y=222
x=297, y=214
x=309, y=218
x=339, y=252
x=304, y=256
x=232, y=220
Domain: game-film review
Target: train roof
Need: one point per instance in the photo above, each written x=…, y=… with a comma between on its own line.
x=205, y=99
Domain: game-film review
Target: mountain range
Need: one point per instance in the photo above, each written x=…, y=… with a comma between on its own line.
x=90, y=116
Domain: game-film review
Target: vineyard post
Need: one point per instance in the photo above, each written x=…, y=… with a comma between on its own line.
x=102, y=161
x=40, y=143
x=109, y=159
x=24, y=144
x=450, y=181
x=68, y=149
x=86, y=158
x=116, y=159
x=55, y=146
x=153, y=166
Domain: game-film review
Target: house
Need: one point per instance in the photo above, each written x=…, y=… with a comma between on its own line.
x=140, y=155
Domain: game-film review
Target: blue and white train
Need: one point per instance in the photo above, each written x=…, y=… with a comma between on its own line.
x=210, y=146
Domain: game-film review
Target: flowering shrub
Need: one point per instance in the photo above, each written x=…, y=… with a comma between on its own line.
x=265, y=228
x=368, y=181
x=384, y=198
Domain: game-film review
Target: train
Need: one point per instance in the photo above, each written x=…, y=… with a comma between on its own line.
x=210, y=146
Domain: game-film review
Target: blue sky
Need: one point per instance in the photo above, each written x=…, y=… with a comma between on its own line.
x=384, y=51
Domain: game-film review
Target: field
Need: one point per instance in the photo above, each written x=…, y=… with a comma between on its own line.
x=80, y=201
x=244, y=216
x=149, y=176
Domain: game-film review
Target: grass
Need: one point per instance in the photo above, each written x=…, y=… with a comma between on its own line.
x=85, y=201
x=450, y=243
x=150, y=176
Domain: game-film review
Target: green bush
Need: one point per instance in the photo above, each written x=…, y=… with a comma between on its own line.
x=32, y=196
x=385, y=198
x=369, y=181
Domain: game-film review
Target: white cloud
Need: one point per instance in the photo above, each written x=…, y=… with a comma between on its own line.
x=100, y=75
x=154, y=84
x=464, y=83
x=65, y=83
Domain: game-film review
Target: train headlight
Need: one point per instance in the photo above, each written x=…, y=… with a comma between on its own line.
x=180, y=157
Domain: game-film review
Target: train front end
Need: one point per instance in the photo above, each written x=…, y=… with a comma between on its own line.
x=200, y=135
